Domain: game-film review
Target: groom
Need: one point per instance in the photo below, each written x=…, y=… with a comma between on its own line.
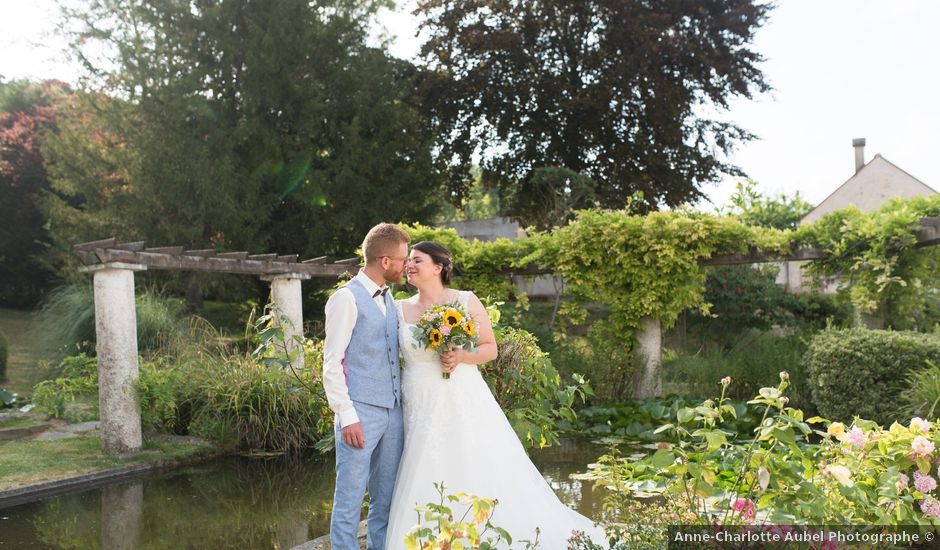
x=363, y=386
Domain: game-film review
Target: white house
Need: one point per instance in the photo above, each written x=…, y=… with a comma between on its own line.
x=870, y=187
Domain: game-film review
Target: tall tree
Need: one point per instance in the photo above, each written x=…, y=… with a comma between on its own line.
x=248, y=125
x=754, y=208
x=612, y=89
x=28, y=111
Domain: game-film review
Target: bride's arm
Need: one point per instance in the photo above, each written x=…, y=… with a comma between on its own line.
x=486, y=346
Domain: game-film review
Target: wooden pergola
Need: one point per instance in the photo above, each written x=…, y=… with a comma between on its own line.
x=113, y=265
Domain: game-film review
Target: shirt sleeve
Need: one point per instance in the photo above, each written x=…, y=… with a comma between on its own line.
x=341, y=315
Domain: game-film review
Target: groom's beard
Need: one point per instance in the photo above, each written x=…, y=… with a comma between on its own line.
x=394, y=277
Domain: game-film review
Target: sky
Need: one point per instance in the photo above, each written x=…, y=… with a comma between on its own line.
x=841, y=69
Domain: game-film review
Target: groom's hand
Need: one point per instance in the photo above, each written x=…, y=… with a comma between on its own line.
x=353, y=435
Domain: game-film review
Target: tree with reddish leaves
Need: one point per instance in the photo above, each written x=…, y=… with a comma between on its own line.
x=616, y=90
x=28, y=113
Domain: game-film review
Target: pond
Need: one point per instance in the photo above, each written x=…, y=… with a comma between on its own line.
x=231, y=502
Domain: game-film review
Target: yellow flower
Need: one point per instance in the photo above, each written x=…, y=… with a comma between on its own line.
x=452, y=317
x=468, y=327
x=836, y=430
x=436, y=338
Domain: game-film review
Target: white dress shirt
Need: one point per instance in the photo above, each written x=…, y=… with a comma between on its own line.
x=341, y=313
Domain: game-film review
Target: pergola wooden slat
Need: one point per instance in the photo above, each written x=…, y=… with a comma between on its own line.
x=175, y=257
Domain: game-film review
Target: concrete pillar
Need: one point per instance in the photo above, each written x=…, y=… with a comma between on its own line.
x=286, y=294
x=647, y=380
x=795, y=276
x=122, y=515
x=116, y=334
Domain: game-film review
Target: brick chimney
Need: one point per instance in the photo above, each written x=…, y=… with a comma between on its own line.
x=859, y=145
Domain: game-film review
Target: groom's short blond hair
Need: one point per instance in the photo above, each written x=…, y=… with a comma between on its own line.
x=383, y=240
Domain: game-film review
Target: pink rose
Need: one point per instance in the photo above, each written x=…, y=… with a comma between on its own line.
x=746, y=507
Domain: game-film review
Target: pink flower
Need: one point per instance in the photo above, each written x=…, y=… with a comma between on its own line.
x=903, y=480
x=930, y=507
x=922, y=446
x=445, y=329
x=856, y=437
x=923, y=482
x=746, y=507
x=919, y=425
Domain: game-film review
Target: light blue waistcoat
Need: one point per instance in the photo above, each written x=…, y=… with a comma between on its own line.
x=371, y=362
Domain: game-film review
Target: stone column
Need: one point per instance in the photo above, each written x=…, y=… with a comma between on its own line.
x=287, y=296
x=649, y=359
x=116, y=334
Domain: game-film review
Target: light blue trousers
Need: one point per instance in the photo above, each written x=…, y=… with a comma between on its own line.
x=374, y=467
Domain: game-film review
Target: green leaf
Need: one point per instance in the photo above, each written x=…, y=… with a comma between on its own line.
x=662, y=458
x=685, y=414
x=715, y=439
x=784, y=435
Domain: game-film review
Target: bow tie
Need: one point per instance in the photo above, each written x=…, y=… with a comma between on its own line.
x=382, y=291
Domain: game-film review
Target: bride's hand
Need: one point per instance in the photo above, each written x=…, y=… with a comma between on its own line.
x=449, y=360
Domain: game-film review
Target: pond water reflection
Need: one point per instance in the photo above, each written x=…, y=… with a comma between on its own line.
x=230, y=502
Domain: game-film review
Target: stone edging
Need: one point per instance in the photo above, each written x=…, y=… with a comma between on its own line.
x=27, y=493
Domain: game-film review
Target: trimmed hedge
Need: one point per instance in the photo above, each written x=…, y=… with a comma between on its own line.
x=862, y=372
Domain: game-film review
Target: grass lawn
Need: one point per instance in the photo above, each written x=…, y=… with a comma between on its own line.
x=24, y=462
x=23, y=369
x=26, y=421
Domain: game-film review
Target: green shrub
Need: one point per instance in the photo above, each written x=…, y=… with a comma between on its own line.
x=529, y=389
x=756, y=357
x=741, y=298
x=67, y=319
x=862, y=372
x=249, y=406
x=234, y=400
x=921, y=397
x=207, y=389
x=73, y=395
x=4, y=354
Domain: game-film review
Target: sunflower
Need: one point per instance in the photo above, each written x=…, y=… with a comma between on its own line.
x=452, y=317
x=469, y=328
x=436, y=338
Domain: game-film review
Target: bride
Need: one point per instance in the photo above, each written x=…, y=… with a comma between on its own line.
x=455, y=431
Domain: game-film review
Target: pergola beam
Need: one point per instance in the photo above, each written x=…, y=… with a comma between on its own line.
x=175, y=257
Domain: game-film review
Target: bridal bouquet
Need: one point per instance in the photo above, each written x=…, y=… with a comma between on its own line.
x=445, y=328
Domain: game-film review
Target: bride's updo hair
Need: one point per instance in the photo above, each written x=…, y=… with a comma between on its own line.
x=439, y=255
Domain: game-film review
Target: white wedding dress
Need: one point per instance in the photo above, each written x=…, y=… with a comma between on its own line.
x=456, y=433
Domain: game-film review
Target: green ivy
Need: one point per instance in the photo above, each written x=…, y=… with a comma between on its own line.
x=874, y=253
x=637, y=266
